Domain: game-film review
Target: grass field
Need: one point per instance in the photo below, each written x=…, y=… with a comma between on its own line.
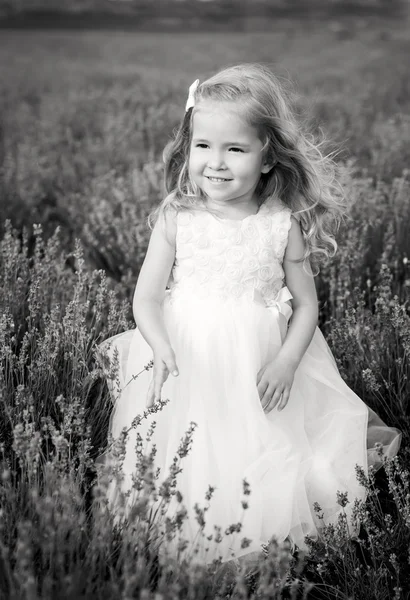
x=83, y=121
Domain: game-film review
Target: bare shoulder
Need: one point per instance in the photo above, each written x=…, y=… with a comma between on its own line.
x=295, y=225
x=167, y=222
x=296, y=244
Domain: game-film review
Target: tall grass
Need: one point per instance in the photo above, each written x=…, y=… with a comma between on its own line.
x=84, y=120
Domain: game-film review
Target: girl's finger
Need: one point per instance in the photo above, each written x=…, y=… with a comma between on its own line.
x=149, y=401
x=267, y=398
x=172, y=368
x=285, y=399
x=275, y=398
x=157, y=393
x=159, y=382
x=263, y=385
x=259, y=376
x=267, y=408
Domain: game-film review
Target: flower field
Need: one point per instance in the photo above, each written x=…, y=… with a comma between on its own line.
x=84, y=117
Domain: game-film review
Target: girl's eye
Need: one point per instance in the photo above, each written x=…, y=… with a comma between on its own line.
x=203, y=145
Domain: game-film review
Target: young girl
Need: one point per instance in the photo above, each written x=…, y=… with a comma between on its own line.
x=226, y=304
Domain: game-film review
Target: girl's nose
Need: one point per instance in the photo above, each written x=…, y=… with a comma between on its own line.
x=216, y=161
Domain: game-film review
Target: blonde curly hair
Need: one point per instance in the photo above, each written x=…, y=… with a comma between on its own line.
x=303, y=178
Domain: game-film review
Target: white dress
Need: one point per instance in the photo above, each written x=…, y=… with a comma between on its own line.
x=226, y=313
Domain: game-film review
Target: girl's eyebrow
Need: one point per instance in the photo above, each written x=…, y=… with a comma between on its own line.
x=202, y=140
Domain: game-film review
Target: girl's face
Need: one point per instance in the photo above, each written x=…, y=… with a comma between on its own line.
x=226, y=158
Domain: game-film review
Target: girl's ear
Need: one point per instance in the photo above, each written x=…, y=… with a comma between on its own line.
x=269, y=160
x=266, y=167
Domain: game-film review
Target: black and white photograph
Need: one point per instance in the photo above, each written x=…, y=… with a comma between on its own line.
x=204, y=299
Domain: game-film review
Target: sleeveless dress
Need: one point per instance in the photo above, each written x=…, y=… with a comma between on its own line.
x=226, y=312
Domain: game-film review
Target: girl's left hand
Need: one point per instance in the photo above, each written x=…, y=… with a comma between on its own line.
x=274, y=381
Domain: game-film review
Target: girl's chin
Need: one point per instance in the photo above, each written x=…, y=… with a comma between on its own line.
x=218, y=197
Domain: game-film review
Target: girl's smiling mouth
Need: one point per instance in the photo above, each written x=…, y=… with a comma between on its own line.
x=217, y=179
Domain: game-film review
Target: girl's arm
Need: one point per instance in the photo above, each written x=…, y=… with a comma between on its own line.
x=152, y=281
x=147, y=304
x=304, y=303
x=275, y=379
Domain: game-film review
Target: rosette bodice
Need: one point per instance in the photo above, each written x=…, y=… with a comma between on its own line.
x=231, y=258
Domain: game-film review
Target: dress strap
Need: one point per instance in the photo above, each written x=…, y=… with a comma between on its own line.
x=281, y=220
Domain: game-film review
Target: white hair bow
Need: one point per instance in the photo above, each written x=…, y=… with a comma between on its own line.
x=190, y=103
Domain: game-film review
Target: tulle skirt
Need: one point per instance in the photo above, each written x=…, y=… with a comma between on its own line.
x=290, y=459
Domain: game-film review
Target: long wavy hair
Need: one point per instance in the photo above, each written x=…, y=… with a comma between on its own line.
x=302, y=177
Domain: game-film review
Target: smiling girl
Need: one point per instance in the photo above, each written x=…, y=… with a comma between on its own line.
x=226, y=303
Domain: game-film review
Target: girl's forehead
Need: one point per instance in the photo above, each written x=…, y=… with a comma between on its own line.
x=218, y=107
x=221, y=116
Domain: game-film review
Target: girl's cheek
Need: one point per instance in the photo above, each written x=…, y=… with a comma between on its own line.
x=194, y=163
x=191, y=164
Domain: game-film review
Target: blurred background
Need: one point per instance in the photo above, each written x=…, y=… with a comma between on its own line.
x=195, y=14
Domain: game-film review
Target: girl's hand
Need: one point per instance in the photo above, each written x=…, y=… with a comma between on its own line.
x=274, y=381
x=164, y=364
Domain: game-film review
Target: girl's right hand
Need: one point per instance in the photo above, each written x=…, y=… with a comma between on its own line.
x=164, y=364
